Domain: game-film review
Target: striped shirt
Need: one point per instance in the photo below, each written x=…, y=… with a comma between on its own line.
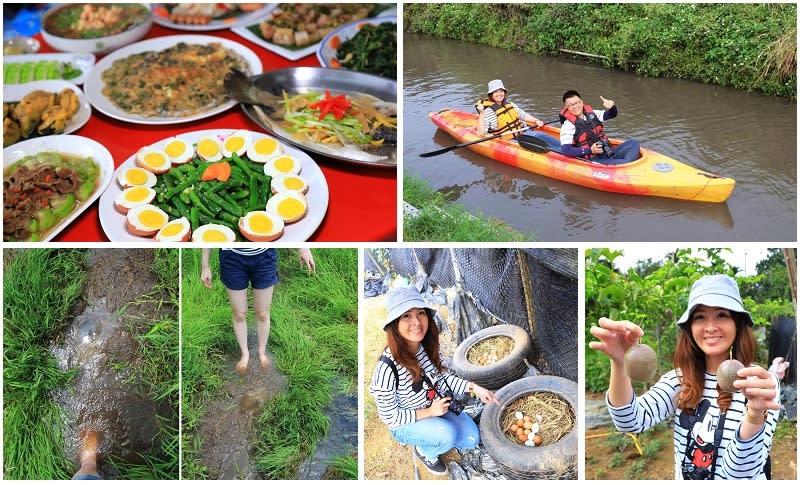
x=736, y=459
x=490, y=117
x=398, y=400
x=247, y=251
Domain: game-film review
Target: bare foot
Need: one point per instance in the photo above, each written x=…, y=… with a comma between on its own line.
x=264, y=360
x=89, y=439
x=241, y=366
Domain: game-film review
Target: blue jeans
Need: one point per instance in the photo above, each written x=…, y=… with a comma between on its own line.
x=624, y=153
x=435, y=436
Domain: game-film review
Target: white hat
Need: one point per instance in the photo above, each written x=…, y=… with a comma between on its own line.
x=717, y=290
x=496, y=84
x=400, y=300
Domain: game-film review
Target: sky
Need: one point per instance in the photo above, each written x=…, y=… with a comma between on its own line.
x=743, y=258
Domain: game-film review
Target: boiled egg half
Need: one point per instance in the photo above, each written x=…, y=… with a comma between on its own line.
x=135, y=176
x=263, y=149
x=178, y=150
x=284, y=182
x=146, y=220
x=177, y=230
x=209, y=148
x=153, y=159
x=213, y=233
x=133, y=197
x=282, y=164
x=237, y=142
x=290, y=206
x=261, y=226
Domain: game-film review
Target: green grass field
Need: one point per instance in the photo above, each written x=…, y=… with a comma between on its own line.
x=313, y=337
x=40, y=287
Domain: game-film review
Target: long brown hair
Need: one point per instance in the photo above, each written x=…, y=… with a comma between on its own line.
x=399, y=349
x=691, y=361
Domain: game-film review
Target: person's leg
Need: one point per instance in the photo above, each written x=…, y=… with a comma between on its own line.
x=238, y=300
x=262, y=301
x=433, y=436
x=88, y=457
x=627, y=151
x=468, y=435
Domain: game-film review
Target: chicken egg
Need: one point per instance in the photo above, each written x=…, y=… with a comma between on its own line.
x=213, y=233
x=133, y=197
x=177, y=230
x=237, y=142
x=282, y=164
x=291, y=206
x=135, y=176
x=178, y=150
x=209, y=149
x=284, y=182
x=146, y=220
x=152, y=159
x=261, y=226
x=263, y=149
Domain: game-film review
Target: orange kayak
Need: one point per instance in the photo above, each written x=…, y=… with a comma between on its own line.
x=653, y=174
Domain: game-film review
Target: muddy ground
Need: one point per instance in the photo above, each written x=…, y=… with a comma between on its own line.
x=601, y=464
x=107, y=394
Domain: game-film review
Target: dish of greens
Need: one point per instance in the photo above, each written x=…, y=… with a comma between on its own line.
x=368, y=45
x=27, y=68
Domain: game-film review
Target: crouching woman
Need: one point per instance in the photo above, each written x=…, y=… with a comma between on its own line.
x=409, y=384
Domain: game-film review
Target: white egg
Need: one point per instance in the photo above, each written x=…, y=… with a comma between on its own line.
x=263, y=149
x=261, y=226
x=237, y=142
x=135, y=176
x=178, y=150
x=213, y=233
x=153, y=159
x=284, y=182
x=209, y=148
x=282, y=164
x=518, y=415
x=177, y=230
x=146, y=220
x=290, y=206
x=133, y=197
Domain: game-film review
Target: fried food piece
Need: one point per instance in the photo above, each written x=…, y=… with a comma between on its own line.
x=68, y=100
x=29, y=110
x=54, y=121
x=11, y=132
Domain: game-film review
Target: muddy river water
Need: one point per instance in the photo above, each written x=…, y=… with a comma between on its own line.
x=746, y=136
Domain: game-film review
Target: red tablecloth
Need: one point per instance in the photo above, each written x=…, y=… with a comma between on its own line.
x=363, y=200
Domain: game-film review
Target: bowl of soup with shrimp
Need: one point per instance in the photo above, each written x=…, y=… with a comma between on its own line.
x=95, y=28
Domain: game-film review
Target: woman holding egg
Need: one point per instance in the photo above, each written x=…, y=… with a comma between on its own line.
x=409, y=381
x=719, y=434
x=238, y=269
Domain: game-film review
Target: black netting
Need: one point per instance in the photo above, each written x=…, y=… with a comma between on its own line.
x=491, y=290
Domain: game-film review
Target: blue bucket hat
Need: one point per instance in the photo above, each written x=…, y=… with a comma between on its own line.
x=400, y=300
x=715, y=291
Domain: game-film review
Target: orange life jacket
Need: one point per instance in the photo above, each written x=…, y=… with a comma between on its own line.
x=507, y=116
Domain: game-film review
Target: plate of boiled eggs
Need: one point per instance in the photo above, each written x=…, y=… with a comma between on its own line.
x=215, y=186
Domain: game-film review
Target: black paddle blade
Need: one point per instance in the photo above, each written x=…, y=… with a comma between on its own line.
x=438, y=152
x=535, y=145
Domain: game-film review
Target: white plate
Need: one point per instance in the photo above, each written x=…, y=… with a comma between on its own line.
x=326, y=52
x=16, y=92
x=159, y=12
x=113, y=221
x=84, y=62
x=94, y=83
x=68, y=144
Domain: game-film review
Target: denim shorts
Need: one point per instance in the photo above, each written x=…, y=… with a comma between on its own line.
x=236, y=271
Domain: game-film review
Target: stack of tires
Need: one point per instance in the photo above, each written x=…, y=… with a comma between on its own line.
x=496, y=375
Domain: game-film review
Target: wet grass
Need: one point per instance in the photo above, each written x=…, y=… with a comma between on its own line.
x=39, y=288
x=313, y=338
x=344, y=468
x=442, y=220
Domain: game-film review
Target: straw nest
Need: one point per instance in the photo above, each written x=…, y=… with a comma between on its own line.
x=490, y=350
x=557, y=417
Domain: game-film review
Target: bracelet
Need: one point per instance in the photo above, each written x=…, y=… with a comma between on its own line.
x=754, y=420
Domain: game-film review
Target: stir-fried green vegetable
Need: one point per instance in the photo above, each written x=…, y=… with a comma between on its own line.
x=373, y=50
x=23, y=72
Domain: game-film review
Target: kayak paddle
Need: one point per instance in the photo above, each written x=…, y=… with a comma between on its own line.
x=462, y=145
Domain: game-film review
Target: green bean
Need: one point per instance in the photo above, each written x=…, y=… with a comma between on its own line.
x=243, y=165
x=184, y=184
x=240, y=194
x=228, y=217
x=225, y=204
x=184, y=196
x=215, y=208
x=252, y=201
x=181, y=206
x=194, y=217
x=265, y=191
x=199, y=203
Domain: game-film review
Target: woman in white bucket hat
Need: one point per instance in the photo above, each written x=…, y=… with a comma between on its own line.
x=717, y=434
x=496, y=114
x=409, y=382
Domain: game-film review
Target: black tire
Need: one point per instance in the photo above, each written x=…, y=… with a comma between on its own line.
x=494, y=376
x=557, y=461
